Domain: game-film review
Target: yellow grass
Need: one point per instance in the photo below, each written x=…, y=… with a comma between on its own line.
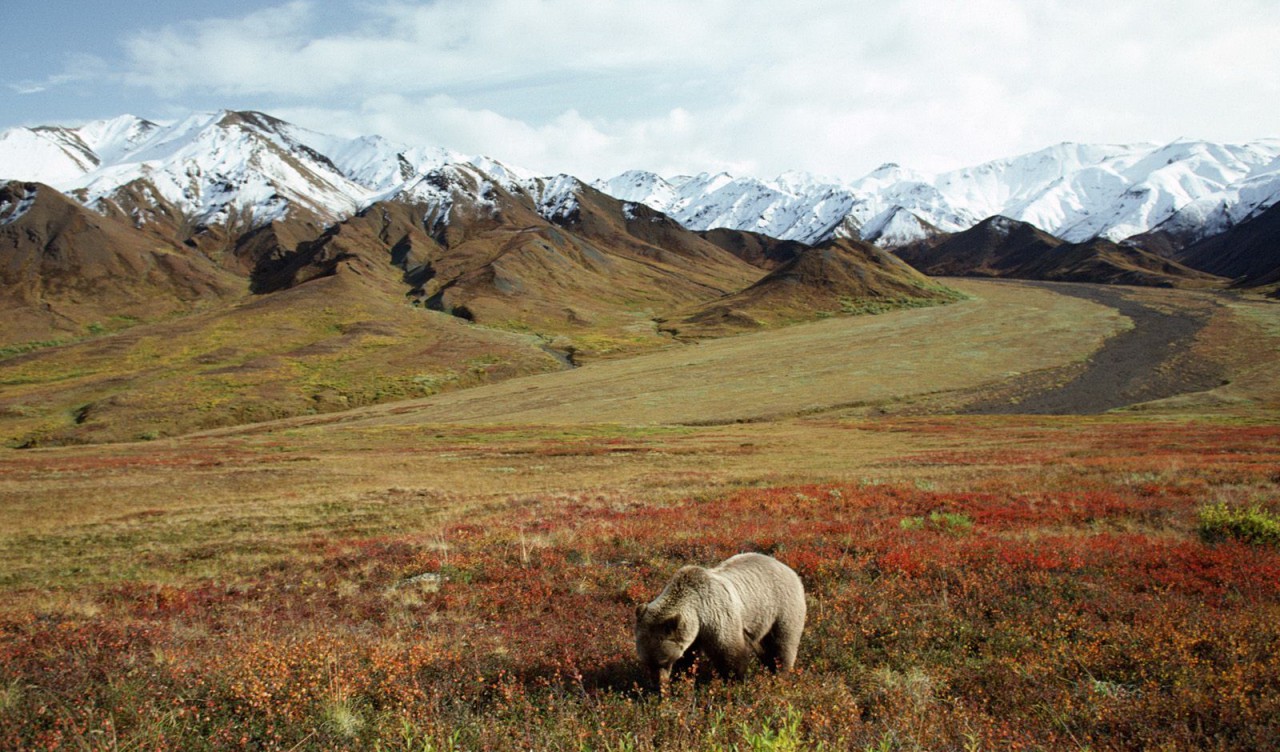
x=1001, y=332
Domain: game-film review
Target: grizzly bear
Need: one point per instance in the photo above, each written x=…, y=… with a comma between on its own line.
x=748, y=606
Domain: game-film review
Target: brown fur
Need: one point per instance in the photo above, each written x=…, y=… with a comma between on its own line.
x=749, y=606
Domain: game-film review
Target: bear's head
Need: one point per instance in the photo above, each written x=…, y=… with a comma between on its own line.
x=661, y=640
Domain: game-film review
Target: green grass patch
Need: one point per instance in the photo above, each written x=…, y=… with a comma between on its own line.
x=8, y=351
x=1220, y=522
x=946, y=522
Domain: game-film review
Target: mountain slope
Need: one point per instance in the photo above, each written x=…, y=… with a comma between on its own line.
x=333, y=326
x=465, y=244
x=329, y=344
x=257, y=269
x=758, y=250
x=232, y=170
x=1249, y=252
x=235, y=169
x=65, y=269
x=1003, y=247
x=839, y=277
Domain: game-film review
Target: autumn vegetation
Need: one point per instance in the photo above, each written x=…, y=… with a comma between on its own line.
x=1068, y=600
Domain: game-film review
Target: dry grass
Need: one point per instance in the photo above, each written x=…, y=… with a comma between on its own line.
x=229, y=506
x=291, y=467
x=1002, y=331
x=332, y=345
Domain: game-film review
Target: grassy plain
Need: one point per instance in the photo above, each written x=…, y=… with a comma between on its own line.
x=388, y=578
x=999, y=333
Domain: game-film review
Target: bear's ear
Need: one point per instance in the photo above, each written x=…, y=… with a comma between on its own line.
x=640, y=607
x=672, y=625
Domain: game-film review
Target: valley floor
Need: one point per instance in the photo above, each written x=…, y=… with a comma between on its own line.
x=1155, y=359
x=458, y=572
x=1010, y=348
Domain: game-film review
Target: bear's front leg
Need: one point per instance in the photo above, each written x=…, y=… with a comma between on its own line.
x=732, y=658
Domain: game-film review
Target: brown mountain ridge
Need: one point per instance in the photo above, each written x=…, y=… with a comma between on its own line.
x=65, y=269
x=1248, y=253
x=1003, y=247
x=838, y=277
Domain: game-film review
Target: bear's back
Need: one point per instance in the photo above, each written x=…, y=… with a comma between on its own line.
x=760, y=577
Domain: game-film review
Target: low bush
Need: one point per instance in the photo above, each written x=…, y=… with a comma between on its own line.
x=1219, y=522
x=947, y=522
x=1057, y=626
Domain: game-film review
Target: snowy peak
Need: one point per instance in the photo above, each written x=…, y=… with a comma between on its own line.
x=793, y=206
x=111, y=139
x=211, y=167
x=374, y=162
x=50, y=155
x=798, y=183
x=886, y=176
x=446, y=192
x=638, y=186
x=229, y=167
x=558, y=197
x=896, y=226
x=512, y=179
x=1074, y=191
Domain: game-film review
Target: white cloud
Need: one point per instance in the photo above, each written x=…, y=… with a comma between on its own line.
x=29, y=87
x=414, y=48
x=596, y=86
x=77, y=68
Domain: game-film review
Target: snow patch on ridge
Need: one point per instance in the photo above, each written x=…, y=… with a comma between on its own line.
x=12, y=211
x=640, y=187
x=53, y=156
x=558, y=198
x=112, y=139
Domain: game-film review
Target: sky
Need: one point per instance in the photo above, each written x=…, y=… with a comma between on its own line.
x=596, y=87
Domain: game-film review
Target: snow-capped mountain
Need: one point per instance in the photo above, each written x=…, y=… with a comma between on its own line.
x=1074, y=191
x=215, y=168
x=246, y=168
x=787, y=208
x=210, y=167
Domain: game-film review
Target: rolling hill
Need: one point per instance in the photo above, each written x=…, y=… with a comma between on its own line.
x=1003, y=247
x=838, y=277
x=457, y=279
